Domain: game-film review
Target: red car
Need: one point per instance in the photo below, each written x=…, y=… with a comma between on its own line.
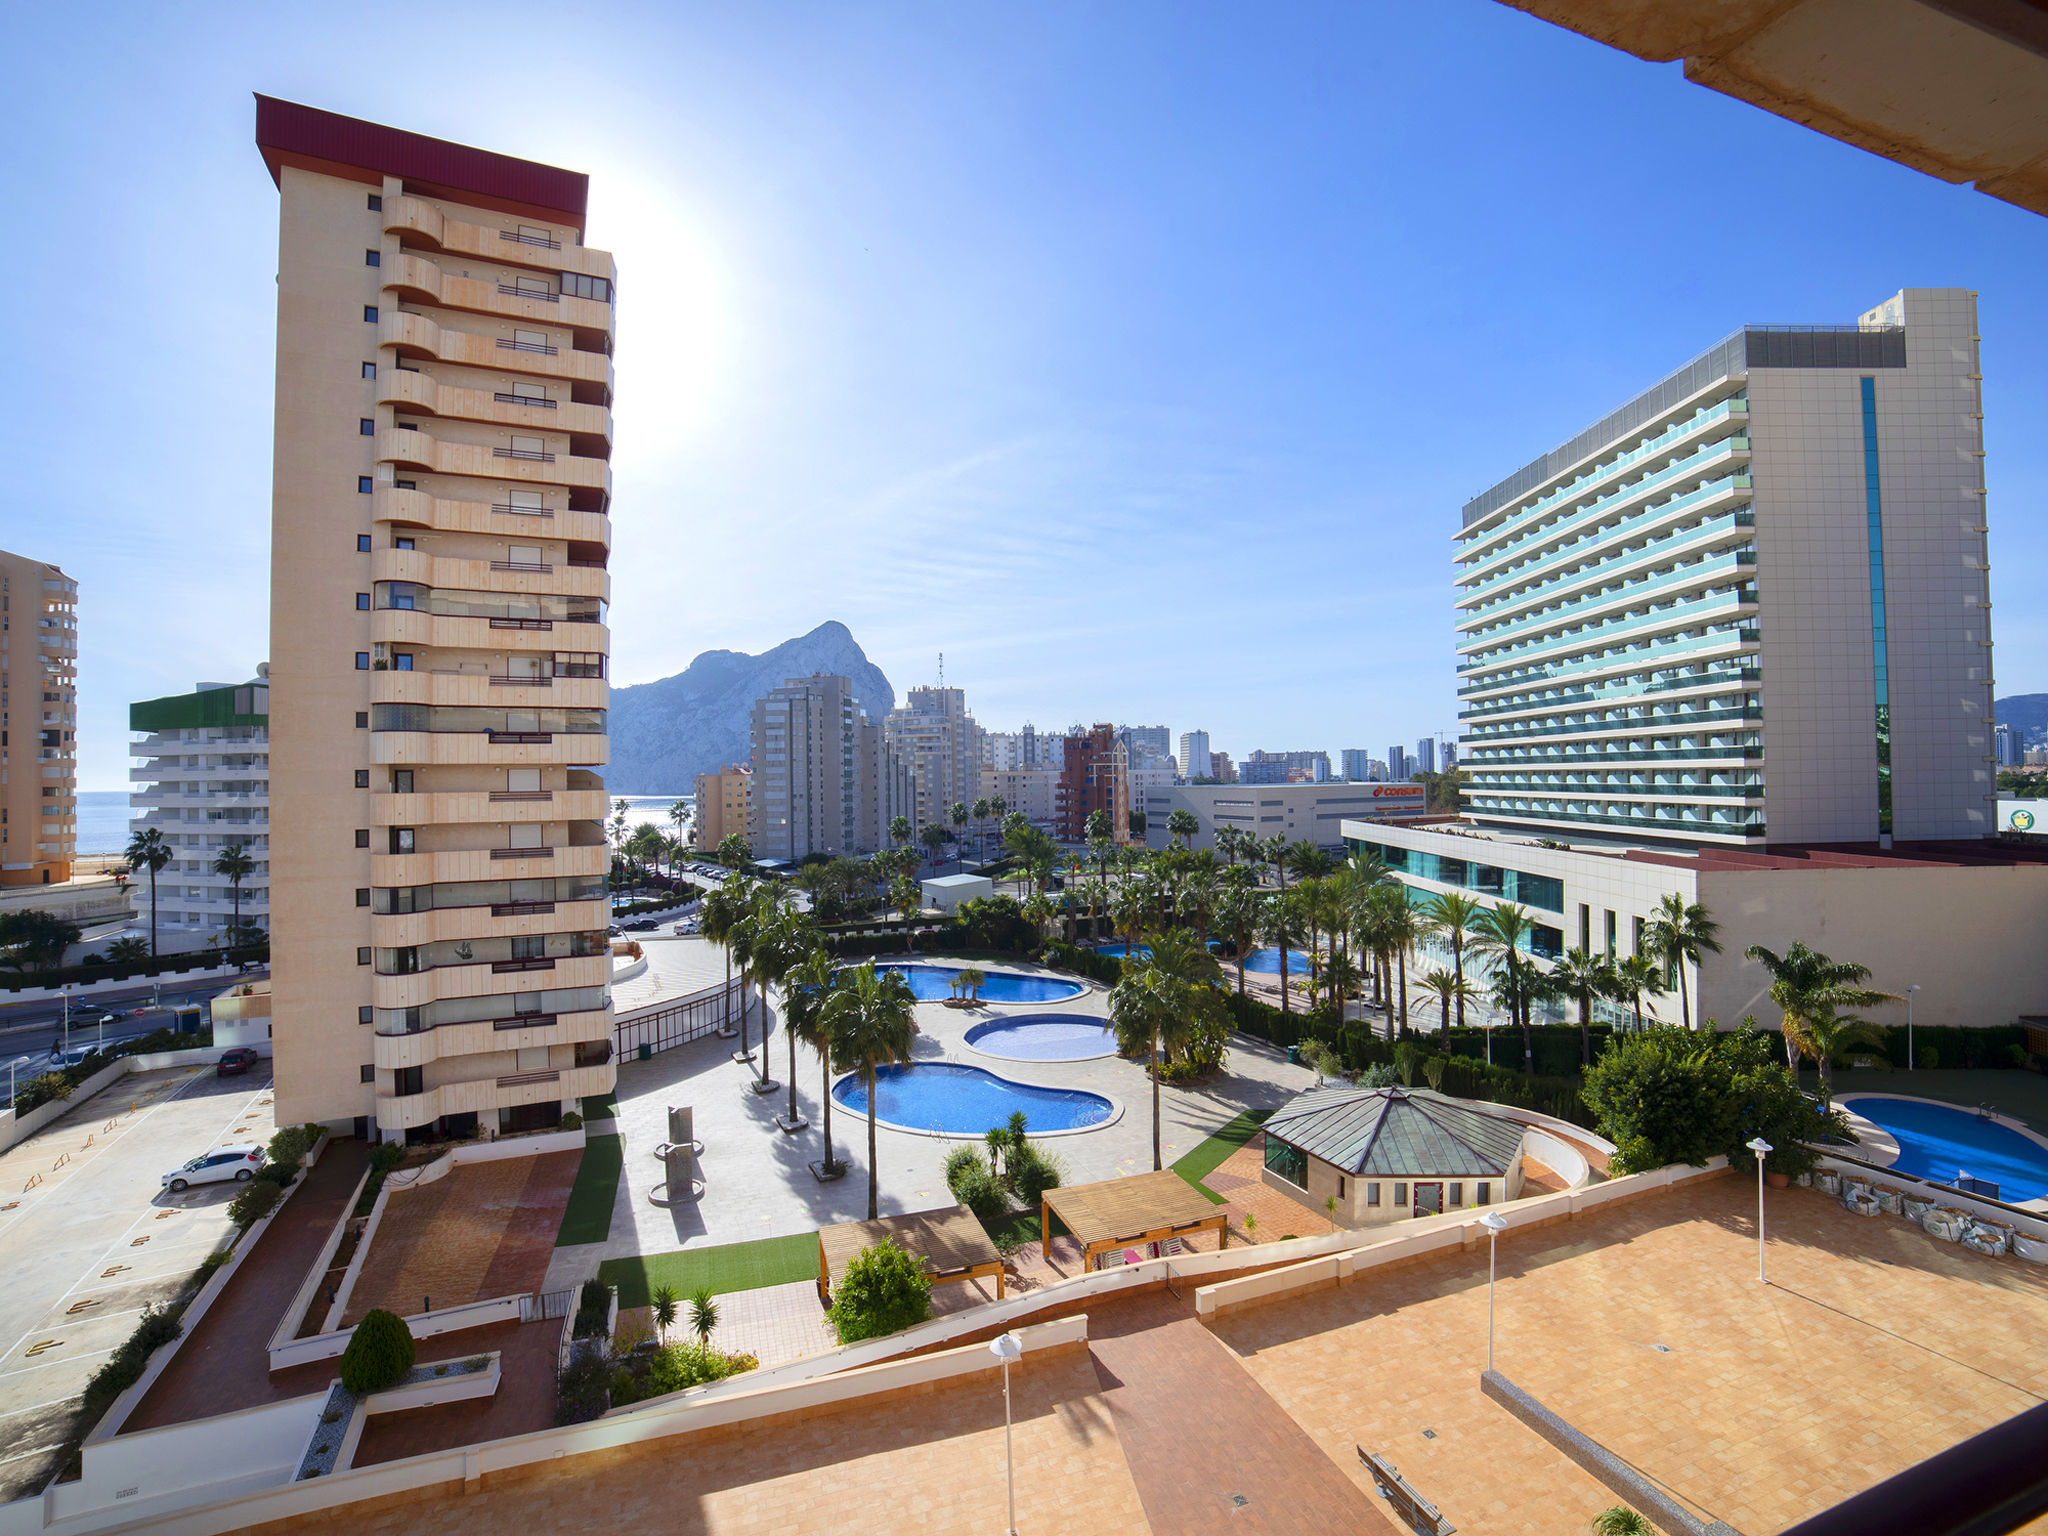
x=235, y=1062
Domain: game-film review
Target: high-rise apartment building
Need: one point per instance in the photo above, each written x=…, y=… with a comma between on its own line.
x=1095, y=777
x=1397, y=762
x=1221, y=768
x=438, y=653
x=1357, y=762
x=822, y=779
x=1293, y=767
x=719, y=807
x=39, y=720
x=1006, y=751
x=1425, y=754
x=938, y=741
x=204, y=783
x=1145, y=743
x=1750, y=604
x=1194, y=754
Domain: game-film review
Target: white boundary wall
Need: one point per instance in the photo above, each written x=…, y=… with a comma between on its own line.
x=14, y=1130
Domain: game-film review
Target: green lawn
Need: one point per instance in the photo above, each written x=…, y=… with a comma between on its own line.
x=601, y=1106
x=727, y=1267
x=588, y=1218
x=1209, y=1155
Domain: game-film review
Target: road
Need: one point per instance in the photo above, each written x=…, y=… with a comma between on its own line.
x=30, y=1029
x=91, y=1238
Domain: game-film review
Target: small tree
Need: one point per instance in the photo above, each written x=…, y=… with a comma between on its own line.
x=379, y=1353
x=703, y=1314
x=664, y=1306
x=884, y=1290
x=255, y=1201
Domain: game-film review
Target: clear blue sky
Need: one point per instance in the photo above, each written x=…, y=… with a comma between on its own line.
x=1136, y=356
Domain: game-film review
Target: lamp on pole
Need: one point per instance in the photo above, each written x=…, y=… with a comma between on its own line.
x=1760, y=1147
x=1494, y=1222
x=1006, y=1348
x=1909, y=1024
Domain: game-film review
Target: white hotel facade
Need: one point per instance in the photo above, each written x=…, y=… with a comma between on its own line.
x=1733, y=642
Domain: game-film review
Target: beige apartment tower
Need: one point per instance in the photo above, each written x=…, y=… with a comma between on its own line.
x=438, y=639
x=721, y=806
x=38, y=722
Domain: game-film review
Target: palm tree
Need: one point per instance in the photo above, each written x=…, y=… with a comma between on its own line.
x=804, y=992
x=998, y=808
x=1681, y=933
x=1827, y=1036
x=234, y=865
x=1500, y=932
x=664, y=1305
x=1812, y=990
x=148, y=850
x=1238, y=911
x=1585, y=976
x=934, y=839
x=733, y=851
x=1320, y=912
x=678, y=817
x=1635, y=976
x=791, y=940
x=1185, y=825
x=961, y=812
x=1452, y=917
x=1446, y=986
x=899, y=830
x=1280, y=923
x=723, y=906
x=1306, y=860
x=1620, y=1520
x=703, y=1314
x=1341, y=978
x=868, y=1017
x=1162, y=1000
x=1273, y=851
x=1401, y=927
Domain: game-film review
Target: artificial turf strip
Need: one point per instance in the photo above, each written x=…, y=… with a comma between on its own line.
x=588, y=1216
x=601, y=1106
x=725, y=1267
x=1210, y=1153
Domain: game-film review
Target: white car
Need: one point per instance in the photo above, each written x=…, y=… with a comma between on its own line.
x=237, y=1163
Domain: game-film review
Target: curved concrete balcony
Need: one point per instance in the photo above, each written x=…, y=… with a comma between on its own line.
x=421, y=687
x=466, y=575
x=422, y=336
x=393, y=869
x=485, y=1096
x=403, y=626
x=415, y=278
x=401, y=749
x=403, y=389
x=484, y=807
x=417, y=509
x=398, y=930
x=480, y=980
x=410, y=449
x=448, y=1041
x=415, y=220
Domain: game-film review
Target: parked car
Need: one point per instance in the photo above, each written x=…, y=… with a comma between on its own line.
x=643, y=925
x=61, y=1058
x=233, y=1063
x=237, y=1163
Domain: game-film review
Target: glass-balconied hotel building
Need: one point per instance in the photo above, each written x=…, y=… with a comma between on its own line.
x=1750, y=605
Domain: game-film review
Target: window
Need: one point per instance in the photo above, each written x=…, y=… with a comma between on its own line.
x=527, y=391
x=401, y=781
x=369, y=370
x=362, y=778
x=401, y=661
x=363, y=954
x=1290, y=1163
x=1400, y=1194
x=366, y=427
x=370, y=314
x=376, y=203
x=365, y=1014
x=362, y=719
x=409, y=1080
x=362, y=602
x=1482, y=1194
x=1340, y=1186
x=579, y=286
x=408, y=485
x=362, y=895
x=369, y=1071
x=1372, y=1194
x=373, y=258
x=531, y=341
x=1457, y=1194
x=362, y=661
x=363, y=485
x=362, y=543
x=402, y=544
x=402, y=839
x=362, y=837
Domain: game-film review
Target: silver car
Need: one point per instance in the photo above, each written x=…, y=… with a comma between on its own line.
x=237, y=1163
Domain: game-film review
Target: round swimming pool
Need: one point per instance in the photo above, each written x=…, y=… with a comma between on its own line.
x=1044, y=1037
x=932, y=983
x=1942, y=1142
x=966, y=1101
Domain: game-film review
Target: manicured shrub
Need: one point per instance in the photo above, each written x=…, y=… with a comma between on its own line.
x=379, y=1353
x=159, y=1325
x=257, y=1199
x=884, y=1290
x=977, y=1189
x=1036, y=1171
x=674, y=1368
x=963, y=1163
x=593, y=1310
x=570, y=1122
x=1930, y=1058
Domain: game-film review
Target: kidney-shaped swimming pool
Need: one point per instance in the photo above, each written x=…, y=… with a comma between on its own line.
x=933, y=983
x=1942, y=1143
x=958, y=1100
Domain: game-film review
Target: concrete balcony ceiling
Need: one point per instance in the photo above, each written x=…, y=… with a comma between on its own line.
x=417, y=392
x=415, y=278
x=423, y=337
x=418, y=509
x=396, y=869
x=421, y=451
x=479, y=574
x=487, y=689
x=454, y=807
x=418, y=222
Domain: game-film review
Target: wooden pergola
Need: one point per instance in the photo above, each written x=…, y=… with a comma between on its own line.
x=1117, y=1213
x=950, y=1241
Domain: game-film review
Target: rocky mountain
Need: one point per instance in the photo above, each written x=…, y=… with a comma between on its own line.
x=2026, y=713
x=665, y=733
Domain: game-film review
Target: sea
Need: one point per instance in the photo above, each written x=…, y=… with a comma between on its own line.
x=103, y=817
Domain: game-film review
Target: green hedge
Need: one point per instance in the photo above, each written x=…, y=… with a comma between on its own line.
x=1107, y=969
x=1556, y=1045
x=190, y=960
x=58, y=1084
x=1465, y=1078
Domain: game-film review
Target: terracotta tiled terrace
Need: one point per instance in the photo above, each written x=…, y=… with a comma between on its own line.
x=1874, y=1347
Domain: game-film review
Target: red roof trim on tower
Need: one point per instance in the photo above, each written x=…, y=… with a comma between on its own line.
x=290, y=134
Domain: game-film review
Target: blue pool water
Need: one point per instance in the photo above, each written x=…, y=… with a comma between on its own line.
x=965, y=1101
x=1267, y=962
x=1118, y=951
x=1045, y=1037
x=932, y=983
x=1939, y=1141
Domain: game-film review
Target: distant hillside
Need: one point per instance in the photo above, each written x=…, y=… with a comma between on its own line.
x=2026, y=713
x=666, y=733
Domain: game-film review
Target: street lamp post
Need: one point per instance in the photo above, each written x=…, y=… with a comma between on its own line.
x=1909, y=1024
x=1494, y=1222
x=1006, y=1348
x=1760, y=1147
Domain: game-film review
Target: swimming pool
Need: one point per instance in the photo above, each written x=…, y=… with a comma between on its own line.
x=931, y=983
x=1118, y=951
x=1940, y=1142
x=965, y=1101
x=1044, y=1037
x=1267, y=962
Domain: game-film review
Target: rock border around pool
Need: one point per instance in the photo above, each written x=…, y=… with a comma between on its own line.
x=846, y=1111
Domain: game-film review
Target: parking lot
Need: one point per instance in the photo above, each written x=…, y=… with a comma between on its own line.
x=91, y=1239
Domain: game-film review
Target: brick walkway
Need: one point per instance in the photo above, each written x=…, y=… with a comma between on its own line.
x=525, y=1399
x=224, y=1364
x=482, y=1230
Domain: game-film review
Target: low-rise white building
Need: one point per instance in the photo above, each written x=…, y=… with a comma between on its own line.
x=948, y=892
x=203, y=781
x=1312, y=813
